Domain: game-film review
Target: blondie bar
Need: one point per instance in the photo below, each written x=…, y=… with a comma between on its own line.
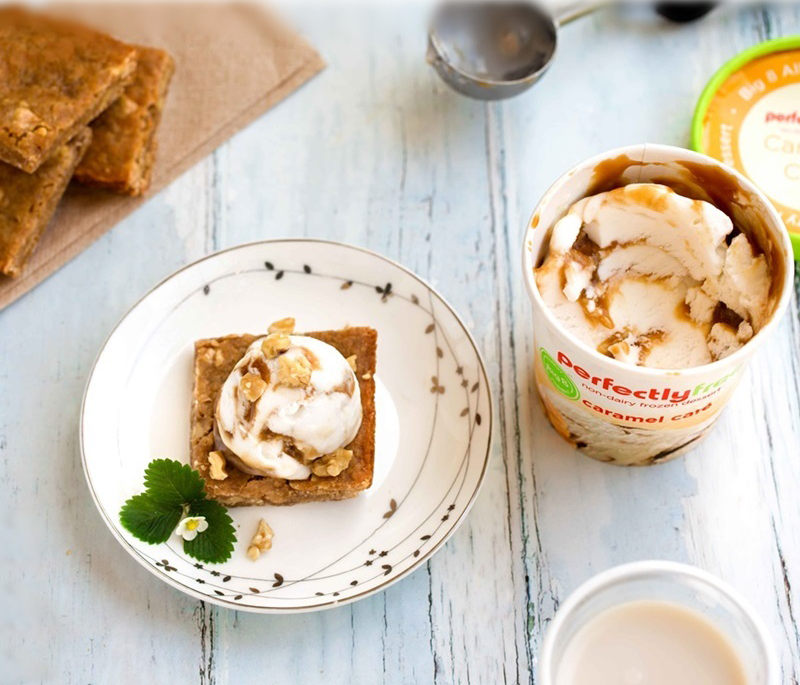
x=123, y=148
x=56, y=77
x=215, y=359
x=28, y=201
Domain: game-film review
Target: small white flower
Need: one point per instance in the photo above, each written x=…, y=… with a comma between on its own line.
x=189, y=527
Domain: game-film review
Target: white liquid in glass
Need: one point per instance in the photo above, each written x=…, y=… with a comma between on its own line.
x=650, y=643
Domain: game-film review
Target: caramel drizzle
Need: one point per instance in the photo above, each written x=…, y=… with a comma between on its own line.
x=586, y=252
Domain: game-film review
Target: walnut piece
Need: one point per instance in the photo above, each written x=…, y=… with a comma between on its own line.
x=285, y=326
x=25, y=118
x=309, y=454
x=620, y=349
x=274, y=344
x=352, y=361
x=126, y=106
x=252, y=386
x=216, y=463
x=294, y=372
x=213, y=356
x=332, y=464
x=262, y=540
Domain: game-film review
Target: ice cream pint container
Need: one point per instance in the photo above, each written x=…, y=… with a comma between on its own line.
x=618, y=412
x=748, y=116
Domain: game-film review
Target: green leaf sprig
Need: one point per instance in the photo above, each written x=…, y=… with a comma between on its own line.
x=172, y=491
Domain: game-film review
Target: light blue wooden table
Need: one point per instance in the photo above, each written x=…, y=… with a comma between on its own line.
x=375, y=151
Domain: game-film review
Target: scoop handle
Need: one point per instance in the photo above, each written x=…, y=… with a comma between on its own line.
x=575, y=10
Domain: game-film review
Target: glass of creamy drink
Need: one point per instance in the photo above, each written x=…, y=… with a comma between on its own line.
x=654, y=274
x=657, y=623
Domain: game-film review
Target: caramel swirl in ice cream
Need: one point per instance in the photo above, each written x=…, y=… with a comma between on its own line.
x=653, y=278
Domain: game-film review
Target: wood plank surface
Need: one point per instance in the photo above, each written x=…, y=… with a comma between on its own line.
x=377, y=152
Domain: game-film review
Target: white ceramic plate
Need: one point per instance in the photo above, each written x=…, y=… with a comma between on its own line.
x=434, y=420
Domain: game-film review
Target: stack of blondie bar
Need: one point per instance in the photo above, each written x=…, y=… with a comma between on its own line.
x=75, y=104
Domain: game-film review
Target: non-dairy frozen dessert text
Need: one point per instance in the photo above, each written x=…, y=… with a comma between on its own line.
x=291, y=400
x=652, y=278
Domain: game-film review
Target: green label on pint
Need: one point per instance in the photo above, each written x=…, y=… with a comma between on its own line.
x=562, y=382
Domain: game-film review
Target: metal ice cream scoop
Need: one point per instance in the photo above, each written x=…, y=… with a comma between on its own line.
x=494, y=50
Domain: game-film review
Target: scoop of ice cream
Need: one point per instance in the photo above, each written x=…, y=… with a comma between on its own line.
x=653, y=278
x=289, y=400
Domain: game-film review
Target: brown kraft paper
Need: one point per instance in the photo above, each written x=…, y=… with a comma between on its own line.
x=233, y=62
